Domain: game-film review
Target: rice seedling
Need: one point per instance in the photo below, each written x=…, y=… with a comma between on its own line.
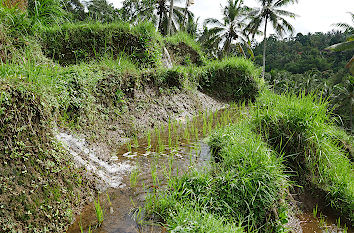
x=129, y=147
x=154, y=175
x=148, y=141
x=138, y=216
x=80, y=226
x=134, y=176
x=177, y=142
x=136, y=142
x=322, y=221
x=314, y=211
x=98, y=210
x=169, y=134
x=205, y=126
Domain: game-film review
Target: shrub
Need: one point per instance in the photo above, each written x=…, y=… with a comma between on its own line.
x=72, y=43
x=176, y=77
x=231, y=79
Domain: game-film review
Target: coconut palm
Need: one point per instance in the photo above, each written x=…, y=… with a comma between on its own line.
x=345, y=26
x=134, y=11
x=231, y=30
x=170, y=23
x=271, y=12
x=156, y=11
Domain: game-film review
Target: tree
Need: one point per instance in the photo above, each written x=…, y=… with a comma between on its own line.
x=345, y=26
x=75, y=8
x=270, y=11
x=157, y=12
x=134, y=11
x=170, y=17
x=103, y=11
x=230, y=30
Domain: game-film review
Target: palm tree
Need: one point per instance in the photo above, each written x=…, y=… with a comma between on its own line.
x=170, y=17
x=345, y=26
x=231, y=29
x=270, y=11
x=155, y=11
x=134, y=11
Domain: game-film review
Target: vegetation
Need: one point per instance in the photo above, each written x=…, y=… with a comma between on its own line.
x=71, y=44
x=231, y=29
x=271, y=12
x=231, y=79
x=247, y=185
x=300, y=129
x=299, y=64
x=68, y=68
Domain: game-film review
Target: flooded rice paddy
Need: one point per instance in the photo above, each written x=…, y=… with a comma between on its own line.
x=145, y=165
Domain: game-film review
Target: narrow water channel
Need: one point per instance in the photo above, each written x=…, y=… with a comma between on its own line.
x=167, y=151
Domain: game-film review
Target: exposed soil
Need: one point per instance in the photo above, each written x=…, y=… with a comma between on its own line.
x=148, y=108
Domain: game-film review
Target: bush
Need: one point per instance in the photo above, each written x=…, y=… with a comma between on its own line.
x=300, y=127
x=73, y=43
x=231, y=79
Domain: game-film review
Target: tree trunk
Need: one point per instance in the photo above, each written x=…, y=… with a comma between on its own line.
x=185, y=17
x=264, y=45
x=242, y=51
x=170, y=18
x=161, y=14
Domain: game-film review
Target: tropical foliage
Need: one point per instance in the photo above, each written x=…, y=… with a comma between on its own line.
x=271, y=12
x=229, y=31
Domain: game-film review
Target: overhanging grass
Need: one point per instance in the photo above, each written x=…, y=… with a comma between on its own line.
x=300, y=127
x=231, y=79
x=72, y=43
x=184, y=49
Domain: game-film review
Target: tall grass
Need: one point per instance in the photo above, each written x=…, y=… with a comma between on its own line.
x=300, y=127
x=243, y=188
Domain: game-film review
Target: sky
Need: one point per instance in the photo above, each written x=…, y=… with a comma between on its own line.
x=313, y=15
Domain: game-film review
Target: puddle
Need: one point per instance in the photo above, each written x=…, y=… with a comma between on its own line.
x=321, y=224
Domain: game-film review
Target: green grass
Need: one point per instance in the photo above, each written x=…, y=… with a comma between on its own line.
x=72, y=43
x=185, y=50
x=300, y=127
x=99, y=211
x=233, y=79
x=240, y=190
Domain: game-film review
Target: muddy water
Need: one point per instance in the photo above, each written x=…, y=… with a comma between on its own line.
x=167, y=152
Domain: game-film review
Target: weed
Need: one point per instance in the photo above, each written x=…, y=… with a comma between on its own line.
x=99, y=210
x=134, y=176
x=314, y=211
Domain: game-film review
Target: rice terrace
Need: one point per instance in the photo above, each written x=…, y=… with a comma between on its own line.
x=230, y=116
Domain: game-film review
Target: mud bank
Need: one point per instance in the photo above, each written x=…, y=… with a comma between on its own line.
x=146, y=110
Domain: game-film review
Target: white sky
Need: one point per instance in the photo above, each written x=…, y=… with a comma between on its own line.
x=313, y=15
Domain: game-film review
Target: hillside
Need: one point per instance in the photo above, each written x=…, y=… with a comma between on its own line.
x=110, y=126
